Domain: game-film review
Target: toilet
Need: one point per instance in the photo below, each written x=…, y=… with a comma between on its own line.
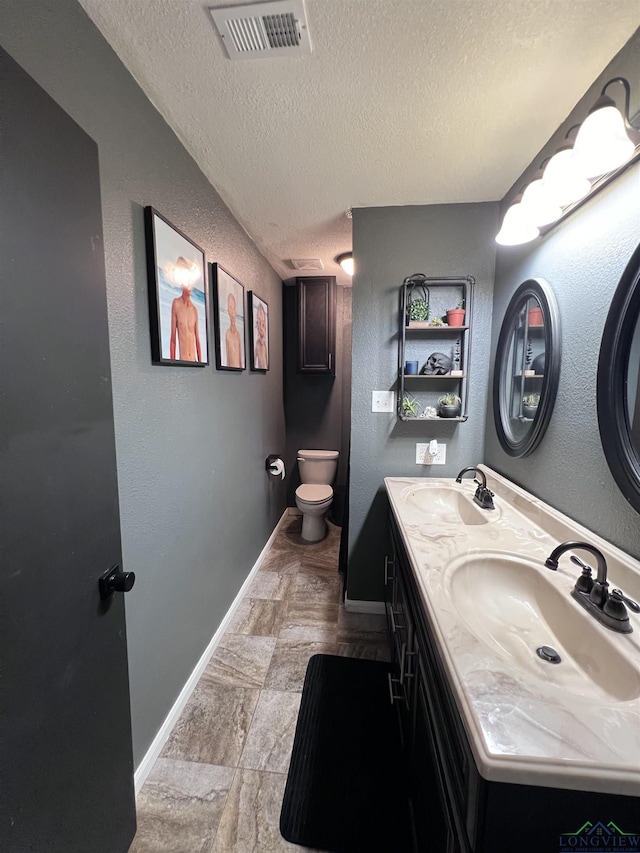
x=314, y=496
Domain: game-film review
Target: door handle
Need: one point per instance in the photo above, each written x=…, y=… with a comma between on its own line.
x=114, y=580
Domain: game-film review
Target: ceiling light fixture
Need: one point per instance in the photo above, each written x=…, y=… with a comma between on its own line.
x=606, y=143
x=346, y=262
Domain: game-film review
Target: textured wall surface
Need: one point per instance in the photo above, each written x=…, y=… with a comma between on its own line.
x=390, y=244
x=195, y=503
x=582, y=259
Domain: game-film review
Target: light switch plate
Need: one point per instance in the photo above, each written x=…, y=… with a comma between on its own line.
x=383, y=401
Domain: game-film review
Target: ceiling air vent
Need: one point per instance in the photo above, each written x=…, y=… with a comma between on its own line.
x=263, y=30
x=306, y=263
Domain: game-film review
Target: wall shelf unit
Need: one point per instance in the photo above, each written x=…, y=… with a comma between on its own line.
x=435, y=348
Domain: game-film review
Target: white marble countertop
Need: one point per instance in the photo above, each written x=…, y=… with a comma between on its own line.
x=528, y=727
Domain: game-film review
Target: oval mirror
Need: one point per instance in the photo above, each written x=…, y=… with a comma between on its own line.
x=619, y=383
x=527, y=368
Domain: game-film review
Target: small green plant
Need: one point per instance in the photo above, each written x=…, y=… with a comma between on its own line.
x=410, y=406
x=531, y=400
x=437, y=321
x=460, y=304
x=449, y=400
x=418, y=310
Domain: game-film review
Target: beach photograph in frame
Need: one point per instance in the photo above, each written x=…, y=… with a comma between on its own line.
x=178, y=304
x=258, y=333
x=228, y=319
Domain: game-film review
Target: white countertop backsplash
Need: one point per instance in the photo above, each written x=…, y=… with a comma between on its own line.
x=522, y=728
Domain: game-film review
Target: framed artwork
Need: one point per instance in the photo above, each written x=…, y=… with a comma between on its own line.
x=258, y=333
x=178, y=304
x=228, y=300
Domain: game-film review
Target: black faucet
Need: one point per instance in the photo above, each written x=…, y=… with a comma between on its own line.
x=608, y=609
x=483, y=496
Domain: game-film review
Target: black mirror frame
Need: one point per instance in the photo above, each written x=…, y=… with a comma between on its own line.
x=540, y=290
x=613, y=366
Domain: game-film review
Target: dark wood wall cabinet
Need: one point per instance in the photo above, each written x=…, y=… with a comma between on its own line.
x=317, y=325
x=454, y=809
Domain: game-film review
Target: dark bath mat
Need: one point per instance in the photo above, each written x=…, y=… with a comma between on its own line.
x=346, y=790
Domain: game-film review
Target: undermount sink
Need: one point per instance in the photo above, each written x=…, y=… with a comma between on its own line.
x=515, y=606
x=448, y=504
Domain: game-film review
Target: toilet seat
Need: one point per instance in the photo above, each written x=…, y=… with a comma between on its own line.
x=313, y=493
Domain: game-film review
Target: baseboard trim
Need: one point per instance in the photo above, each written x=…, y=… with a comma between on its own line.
x=144, y=768
x=359, y=606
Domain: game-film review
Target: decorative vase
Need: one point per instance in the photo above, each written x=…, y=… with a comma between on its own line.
x=455, y=317
x=448, y=411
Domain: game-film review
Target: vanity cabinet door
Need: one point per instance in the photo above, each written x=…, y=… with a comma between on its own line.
x=317, y=325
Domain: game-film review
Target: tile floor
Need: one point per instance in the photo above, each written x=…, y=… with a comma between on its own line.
x=218, y=784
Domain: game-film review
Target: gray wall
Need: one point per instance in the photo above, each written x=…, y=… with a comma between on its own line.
x=582, y=258
x=318, y=408
x=195, y=502
x=390, y=244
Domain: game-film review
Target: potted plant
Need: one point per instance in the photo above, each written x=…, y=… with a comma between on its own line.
x=437, y=321
x=417, y=310
x=449, y=406
x=455, y=316
x=410, y=406
x=535, y=317
x=530, y=405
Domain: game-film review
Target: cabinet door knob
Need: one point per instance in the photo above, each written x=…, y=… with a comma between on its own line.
x=115, y=580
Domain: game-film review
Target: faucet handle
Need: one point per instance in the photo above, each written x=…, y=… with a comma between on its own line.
x=632, y=605
x=614, y=607
x=585, y=581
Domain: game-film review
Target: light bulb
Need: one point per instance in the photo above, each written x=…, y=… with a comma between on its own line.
x=602, y=144
x=563, y=179
x=516, y=227
x=539, y=207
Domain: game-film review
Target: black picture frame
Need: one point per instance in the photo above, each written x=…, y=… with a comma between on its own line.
x=541, y=292
x=228, y=298
x=618, y=421
x=177, y=287
x=258, y=333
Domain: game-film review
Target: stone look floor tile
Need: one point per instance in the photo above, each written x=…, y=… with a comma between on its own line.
x=213, y=726
x=180, y=807
x=258, y=617
x=270, y=739
x=244, y=709
x=240, y=660
x=289, y=663
x=281, y=561
x=311, y=622
x=272, y=585
x=251, y=818
x=315, y=589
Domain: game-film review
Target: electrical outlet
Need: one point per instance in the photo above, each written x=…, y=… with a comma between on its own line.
x=383, y=401
x=423, y=457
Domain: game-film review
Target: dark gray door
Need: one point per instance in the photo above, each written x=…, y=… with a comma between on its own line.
x=66, y=763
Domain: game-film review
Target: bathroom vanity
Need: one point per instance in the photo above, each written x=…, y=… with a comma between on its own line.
x=505, y=749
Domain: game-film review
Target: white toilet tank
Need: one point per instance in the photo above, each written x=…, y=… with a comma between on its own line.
x=318, y=466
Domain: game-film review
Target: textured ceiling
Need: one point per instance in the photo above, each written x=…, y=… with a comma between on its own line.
x=401, y=102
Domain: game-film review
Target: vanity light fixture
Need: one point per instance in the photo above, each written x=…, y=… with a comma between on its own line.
x=517, y=227
x=346, y=262
x=602, y=143
x=605, y=143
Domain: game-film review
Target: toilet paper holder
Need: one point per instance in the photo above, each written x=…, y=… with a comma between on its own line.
x=274, y=465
